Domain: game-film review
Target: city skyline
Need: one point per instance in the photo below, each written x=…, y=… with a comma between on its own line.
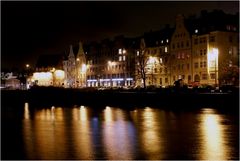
x=29, y=32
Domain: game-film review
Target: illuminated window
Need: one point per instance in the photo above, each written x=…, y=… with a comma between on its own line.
x=167, y=40
x=124, y=51
x=161, y=60
x=196, y=31
x=162, y=41
x=137, y=53
x=120, y=58
x=166, y=49
x=124, y=57
x=119, y=51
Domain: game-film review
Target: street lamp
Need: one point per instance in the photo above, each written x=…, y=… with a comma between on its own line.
x=213, y=62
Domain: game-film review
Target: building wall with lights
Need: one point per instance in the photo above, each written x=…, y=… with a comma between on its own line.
x=200, y=53
x=216, y=55
x=109, y=64
x=49, y=71
x=75, y=68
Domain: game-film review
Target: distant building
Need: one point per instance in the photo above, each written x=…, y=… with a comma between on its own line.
x=197, y=50
x=75, y=68
x=202, y=50
x=49, y=71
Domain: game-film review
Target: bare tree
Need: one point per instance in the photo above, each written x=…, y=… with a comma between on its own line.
x=142, y=62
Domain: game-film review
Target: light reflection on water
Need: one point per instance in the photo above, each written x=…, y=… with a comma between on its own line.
x=213, y=136
x=114, y=133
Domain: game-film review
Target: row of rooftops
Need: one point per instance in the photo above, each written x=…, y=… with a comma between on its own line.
x=207, y=22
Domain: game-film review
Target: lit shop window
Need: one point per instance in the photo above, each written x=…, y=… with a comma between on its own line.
x=166, y=49
x=119, y=51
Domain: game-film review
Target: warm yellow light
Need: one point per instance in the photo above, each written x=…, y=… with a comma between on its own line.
x=111, y=63
x=53, y=70
x=152, y=60
x=84, y=68
x=26, y=111
x=213, y=60
x=45, y=76
x=78, y=59
x=59, y=74
x=213, y=139
x=27, y=65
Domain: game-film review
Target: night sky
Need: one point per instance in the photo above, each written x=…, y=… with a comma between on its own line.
x=29, y=29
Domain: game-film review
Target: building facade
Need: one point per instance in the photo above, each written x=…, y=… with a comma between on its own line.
x=200, y=50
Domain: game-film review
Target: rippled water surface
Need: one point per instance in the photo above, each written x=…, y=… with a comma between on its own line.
x=83, y=132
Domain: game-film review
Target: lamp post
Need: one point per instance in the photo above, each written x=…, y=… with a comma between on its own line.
x=52, y=71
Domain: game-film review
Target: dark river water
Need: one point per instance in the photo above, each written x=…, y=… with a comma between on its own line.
x=83, y=132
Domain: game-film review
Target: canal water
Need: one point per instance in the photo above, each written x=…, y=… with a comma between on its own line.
x=83, y=132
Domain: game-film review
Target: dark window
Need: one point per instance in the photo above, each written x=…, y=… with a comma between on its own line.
x=195, y=41
x=212, y=39
x=166, y=80
x=230, y=39
x=196, y=65
x=187, y=43
x=204, y=76
x=182, y=45
x=173, y=46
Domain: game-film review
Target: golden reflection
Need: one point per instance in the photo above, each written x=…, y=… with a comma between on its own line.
x=42, y=137
x=81, y=133
x=26, y=111
x=213, y=139
x=83, y=113
x=150, y=137
x=117, y=135
x=108, y=116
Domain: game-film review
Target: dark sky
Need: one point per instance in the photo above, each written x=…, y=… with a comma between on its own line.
x=29, y=29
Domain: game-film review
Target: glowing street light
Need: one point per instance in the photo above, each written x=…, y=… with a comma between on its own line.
x=27, y=65
x=213, y=62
